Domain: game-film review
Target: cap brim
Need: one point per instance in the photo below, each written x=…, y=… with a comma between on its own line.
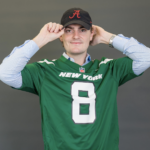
x=87, y=26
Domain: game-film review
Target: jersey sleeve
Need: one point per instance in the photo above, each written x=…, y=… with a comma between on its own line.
x=32, y=78
x=122, y=70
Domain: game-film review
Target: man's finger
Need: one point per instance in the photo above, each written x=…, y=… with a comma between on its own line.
x=53, y=27
x=57, y=28
x=61, y=32
x=49, y=26
x=62, y=28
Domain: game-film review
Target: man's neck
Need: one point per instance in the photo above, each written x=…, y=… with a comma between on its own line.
x=79, y=59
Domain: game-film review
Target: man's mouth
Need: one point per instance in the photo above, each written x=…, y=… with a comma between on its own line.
x=75, y=42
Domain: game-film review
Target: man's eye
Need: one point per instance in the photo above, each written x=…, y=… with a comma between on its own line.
x=68, y=30
x=83, y=30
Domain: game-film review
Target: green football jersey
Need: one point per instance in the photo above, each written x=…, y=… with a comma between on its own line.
x=78, y=103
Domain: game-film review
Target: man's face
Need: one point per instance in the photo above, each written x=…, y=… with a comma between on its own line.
x=76, y=39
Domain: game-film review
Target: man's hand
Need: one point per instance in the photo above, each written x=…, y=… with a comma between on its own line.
x=48, y=33
x=100, y=36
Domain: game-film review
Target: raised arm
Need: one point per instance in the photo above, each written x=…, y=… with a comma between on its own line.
x=139, y=53
x=14, y=63
x=48, y=33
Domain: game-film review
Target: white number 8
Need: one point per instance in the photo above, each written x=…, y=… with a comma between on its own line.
x=76, y=116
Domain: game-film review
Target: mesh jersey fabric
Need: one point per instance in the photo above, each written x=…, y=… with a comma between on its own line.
x=78, y=109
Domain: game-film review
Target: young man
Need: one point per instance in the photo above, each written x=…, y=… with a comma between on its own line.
x=77, y=95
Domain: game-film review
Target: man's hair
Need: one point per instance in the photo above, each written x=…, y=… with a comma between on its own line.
x=89, y=42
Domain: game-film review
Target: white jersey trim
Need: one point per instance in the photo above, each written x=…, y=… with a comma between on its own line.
x=105, y=61
x=45, y=60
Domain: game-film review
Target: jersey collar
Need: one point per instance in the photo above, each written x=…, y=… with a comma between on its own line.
x=72, y=65
x=87, y=60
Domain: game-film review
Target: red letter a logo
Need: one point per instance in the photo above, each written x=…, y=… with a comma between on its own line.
x=75, y=13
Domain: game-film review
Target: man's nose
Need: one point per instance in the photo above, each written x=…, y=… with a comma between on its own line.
x=76, y=34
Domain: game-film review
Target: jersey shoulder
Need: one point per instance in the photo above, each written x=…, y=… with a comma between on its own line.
x=56, y=63
x=111, y=62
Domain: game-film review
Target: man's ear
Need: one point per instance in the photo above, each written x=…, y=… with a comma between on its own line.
x=61, y=39
x=92, y=33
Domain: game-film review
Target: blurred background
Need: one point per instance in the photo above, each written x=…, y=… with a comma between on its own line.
x=20, y=118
